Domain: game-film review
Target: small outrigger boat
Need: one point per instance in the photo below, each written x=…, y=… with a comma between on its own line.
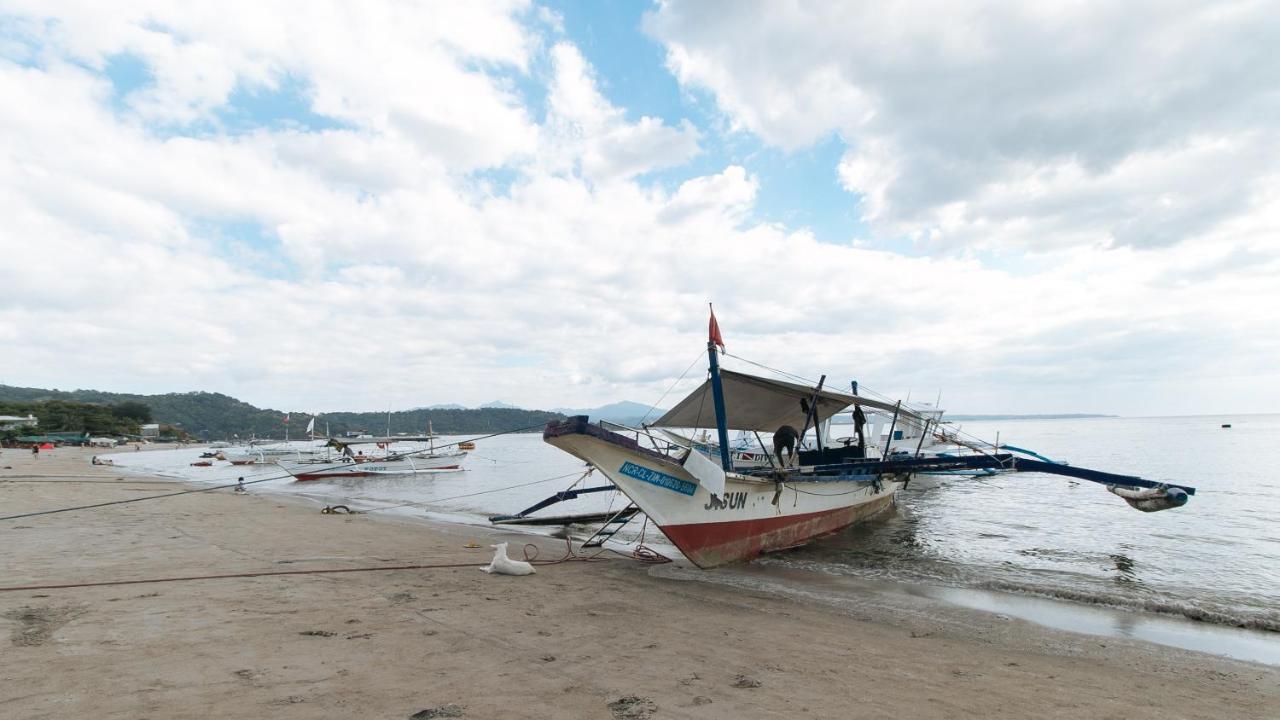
x=355, y=463
x=718, y=512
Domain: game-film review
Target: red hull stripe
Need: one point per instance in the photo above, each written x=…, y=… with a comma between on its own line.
x=712, y=544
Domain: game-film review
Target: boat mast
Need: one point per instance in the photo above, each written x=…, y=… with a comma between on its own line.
x=717, y=390
x=717, y=395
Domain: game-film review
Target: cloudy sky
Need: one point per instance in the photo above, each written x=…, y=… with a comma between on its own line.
x=1030, y=207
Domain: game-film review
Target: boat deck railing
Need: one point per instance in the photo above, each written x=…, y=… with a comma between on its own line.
x=661, y=443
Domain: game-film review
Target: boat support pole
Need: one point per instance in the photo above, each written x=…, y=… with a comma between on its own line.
x=717, y=395
x=924, y=432
x=763, y=450
x=810, y=417
x=892, y=425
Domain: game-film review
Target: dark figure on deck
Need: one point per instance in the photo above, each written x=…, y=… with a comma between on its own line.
x=860, y=421
x=786, y=438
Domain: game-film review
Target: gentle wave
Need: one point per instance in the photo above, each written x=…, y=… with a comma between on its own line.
x=1234, y=617
x=956, y=576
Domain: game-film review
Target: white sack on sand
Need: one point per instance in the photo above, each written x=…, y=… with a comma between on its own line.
x=503, y=565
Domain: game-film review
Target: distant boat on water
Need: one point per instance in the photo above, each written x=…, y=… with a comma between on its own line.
x=351, y=463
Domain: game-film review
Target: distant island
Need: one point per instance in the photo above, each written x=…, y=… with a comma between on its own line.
x=1051, y=416
x=844, y=419
x=214, y=416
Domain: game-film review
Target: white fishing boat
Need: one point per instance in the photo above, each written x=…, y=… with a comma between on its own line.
x=719, y=512
x=383, y=459
x=714, y=515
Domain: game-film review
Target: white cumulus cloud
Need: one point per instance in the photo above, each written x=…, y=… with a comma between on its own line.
x=471, y=218
x=1006, y=125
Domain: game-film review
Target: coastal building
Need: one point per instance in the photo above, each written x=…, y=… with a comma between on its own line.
x=14, y=422
x=151, y=430
x=56, y=438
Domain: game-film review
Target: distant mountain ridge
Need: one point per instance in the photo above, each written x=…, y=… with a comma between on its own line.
x=214, y=415
x=217, y=416
x=1042, y=416
x=623, y=413
x=845, y=419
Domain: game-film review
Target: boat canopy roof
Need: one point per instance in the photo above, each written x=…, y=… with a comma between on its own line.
x=760, y=404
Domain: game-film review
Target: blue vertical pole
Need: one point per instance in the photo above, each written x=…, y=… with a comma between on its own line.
x=717, y=395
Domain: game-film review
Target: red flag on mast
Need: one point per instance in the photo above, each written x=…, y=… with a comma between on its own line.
x=713, y=331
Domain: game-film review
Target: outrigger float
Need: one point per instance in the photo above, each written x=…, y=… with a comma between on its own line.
x=718, y=512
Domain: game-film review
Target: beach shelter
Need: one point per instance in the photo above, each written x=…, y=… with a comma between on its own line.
x=47, y=446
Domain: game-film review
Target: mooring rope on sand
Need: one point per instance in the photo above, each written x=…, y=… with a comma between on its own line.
x=642, y=554
x=265, y=573
x=134, y=500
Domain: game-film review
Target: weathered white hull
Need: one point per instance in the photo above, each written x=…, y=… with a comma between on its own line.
x=746, y=521
x=347, y=468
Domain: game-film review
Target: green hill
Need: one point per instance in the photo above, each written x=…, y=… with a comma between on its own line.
x=217, y=416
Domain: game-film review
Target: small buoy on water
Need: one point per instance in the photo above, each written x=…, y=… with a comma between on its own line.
x=1226, y=425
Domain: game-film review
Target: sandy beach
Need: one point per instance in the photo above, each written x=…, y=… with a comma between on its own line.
x=614, y=638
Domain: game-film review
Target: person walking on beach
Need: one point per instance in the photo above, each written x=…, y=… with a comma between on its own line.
x=35, y=451
x=240, y=485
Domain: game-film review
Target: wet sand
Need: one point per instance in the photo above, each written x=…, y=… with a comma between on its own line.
x=569, y=642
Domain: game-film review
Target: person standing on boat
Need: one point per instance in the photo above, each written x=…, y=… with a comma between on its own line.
x=859, y=422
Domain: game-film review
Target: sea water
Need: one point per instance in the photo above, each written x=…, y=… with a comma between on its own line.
x=1215, y=560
